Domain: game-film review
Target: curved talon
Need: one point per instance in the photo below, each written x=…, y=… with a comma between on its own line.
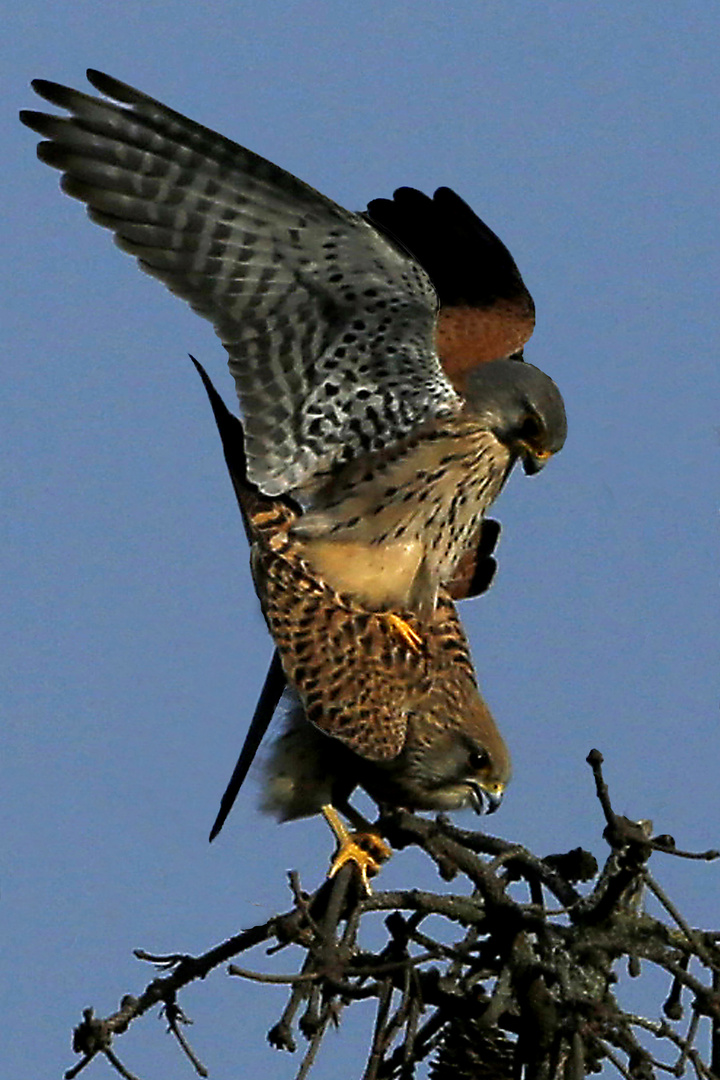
x=366, y=849
x=405, y=631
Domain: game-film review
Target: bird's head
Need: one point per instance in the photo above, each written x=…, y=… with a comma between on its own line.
x=453, y=757
x=522, y=406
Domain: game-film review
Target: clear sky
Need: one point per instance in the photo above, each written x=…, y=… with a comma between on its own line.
x=133, y=649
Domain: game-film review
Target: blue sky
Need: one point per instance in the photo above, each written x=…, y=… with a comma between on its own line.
x=132, y=651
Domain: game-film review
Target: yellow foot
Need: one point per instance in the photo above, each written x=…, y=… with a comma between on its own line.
x=366, y=849
x=275, y=522
x=264, y=517
x=405, y=631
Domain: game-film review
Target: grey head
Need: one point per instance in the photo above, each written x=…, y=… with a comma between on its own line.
x=522, y=406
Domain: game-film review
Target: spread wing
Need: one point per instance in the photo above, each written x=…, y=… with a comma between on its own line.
x=329, y=326
x=486, y=312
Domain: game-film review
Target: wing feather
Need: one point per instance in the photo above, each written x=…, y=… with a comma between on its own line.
x=329, y=326
x=486, y=312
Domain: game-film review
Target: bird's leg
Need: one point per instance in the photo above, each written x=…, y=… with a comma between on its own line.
x=365, y=848
x=405, y=630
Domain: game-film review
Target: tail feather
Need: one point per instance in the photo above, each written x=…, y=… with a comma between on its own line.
x=251, y=501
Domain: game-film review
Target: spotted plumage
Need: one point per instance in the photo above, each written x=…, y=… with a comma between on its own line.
x=392, y=425
x=407, y=724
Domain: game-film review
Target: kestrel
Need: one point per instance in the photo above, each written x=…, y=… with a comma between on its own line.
x=474, y=576
x=478, y=287
x=406, y=724
x=393, y=428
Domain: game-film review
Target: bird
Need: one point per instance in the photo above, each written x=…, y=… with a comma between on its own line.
x=366, y=708
x=477, y=283
x=391, y=422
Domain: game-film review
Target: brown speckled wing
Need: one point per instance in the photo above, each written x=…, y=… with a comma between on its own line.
x=349, y=666
x=354, y=673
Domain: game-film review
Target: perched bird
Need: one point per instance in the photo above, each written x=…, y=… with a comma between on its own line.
x=474, y=577
x=485, y=311
x=391, y=426
x=369, y=709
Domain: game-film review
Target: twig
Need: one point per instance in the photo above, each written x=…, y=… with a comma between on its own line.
x=175, y=1017
x=690, y=934
x=715, y=1036
x=311, y=1053
x=524, y=980
x=118, y=1065
x=379, y=1039
x=282, y=980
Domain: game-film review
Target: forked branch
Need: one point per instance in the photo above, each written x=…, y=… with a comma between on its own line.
x=526, y=988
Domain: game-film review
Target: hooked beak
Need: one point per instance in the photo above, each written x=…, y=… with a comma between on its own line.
x=534, y=460
x=485, y=799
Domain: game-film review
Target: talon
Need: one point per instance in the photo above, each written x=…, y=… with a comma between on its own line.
x=405, y=630
x=367, y=850
x=262, y=517
x=274, y=519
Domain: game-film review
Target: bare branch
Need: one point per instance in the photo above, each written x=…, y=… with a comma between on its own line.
x=526, y=989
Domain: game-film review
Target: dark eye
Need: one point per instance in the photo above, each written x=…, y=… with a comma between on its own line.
x=479, y=760
x=531, y=429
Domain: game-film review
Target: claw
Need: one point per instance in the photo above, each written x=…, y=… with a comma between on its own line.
x=405, y=631
x=265, y=517
x=367, y=850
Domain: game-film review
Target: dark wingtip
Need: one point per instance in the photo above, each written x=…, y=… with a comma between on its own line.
x=219, y=822
x=476, y=570
x=53, y=92
x=267, y=703
x=32, y=119
x=106, y=84
x=227, y=423
x=203, y=374
x=466, y=261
